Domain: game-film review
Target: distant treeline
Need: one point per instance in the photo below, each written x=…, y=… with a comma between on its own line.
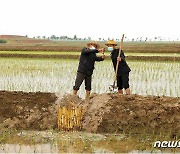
x=136, y=39
x=3, y=41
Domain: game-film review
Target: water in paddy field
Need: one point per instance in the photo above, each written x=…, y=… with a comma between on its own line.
x=48, y=148
x=73, y=142
x=58, y=75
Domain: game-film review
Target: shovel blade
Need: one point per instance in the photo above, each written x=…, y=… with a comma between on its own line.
x=113, y=89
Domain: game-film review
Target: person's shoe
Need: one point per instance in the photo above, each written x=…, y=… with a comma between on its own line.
x=128, y=92
x=75, y=92
x=87, y=96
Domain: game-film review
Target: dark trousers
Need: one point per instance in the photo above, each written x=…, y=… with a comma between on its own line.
x=80, y=78
x=123, y=81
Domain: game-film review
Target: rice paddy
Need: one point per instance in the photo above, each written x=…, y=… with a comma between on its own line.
x=58, y=75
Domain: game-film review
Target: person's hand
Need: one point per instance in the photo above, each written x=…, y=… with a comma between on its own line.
x=118, y=58
x=101, y=50
x=103, y=56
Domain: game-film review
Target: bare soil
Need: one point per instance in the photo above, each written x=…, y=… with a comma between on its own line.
x=134, y=113
x=22, y=43
x=20, y=110
x=105, y=113
x=146, y=58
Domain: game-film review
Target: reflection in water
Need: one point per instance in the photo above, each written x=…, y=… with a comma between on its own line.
x=72, y=142
x=38, y=148
x=68, y=147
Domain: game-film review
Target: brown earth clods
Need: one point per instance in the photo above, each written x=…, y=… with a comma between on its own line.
x=22, y=110
x=105, y=113
x=133, y=113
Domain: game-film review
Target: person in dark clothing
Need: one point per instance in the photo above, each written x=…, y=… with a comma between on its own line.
x=86, y=66
x=123, y=68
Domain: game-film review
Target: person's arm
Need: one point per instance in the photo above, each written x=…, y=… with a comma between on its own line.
x=99, y=58
x=122, y=55
x=87, y=51
x=102, y=57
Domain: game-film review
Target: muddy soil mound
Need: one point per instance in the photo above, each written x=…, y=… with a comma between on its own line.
x=20, y=110
x=68, y=100
x=136, y=114
x=105, y=113
x=32, y=111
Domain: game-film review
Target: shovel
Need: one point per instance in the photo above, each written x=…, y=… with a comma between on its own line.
x=113, y=88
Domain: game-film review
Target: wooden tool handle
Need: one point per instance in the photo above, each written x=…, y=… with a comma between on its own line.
x=117, y=65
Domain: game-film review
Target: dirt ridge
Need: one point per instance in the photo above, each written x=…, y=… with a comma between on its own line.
x=105, y=113
x=146, y=58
